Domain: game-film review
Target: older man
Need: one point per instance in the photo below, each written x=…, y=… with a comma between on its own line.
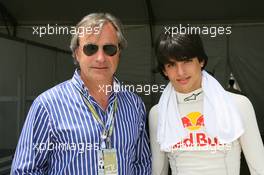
x=79, y=126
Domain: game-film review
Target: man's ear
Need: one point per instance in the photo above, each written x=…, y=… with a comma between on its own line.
x=76, y=52
x=164, y=72
x=202, y=64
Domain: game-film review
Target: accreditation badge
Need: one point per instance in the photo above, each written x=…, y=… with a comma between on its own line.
x=110, y=162
x=107, y=162
x=100, y=157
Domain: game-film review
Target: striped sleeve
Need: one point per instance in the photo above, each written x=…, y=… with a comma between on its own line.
x=31, y=151
x=143, y=155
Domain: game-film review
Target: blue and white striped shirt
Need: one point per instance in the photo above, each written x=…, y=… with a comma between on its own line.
x=60, y=135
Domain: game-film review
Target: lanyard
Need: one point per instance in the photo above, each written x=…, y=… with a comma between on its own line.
x=108, y=127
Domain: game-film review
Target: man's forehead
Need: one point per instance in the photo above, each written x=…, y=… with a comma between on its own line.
x=180, y=59
x=106, y=31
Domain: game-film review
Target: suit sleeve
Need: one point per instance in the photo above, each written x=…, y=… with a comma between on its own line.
x=251, y=141
x=160, y=161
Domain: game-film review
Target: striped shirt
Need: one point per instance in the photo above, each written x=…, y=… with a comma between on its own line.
x=60, y=135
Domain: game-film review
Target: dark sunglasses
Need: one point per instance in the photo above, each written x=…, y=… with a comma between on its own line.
x=109, y=49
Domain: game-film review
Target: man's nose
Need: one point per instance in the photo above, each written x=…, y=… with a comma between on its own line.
x=100, y=57
x=180, y=69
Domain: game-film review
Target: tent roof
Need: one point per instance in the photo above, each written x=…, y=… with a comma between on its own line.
x=137, y=11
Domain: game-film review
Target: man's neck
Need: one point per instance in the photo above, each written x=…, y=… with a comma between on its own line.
x=98, y=90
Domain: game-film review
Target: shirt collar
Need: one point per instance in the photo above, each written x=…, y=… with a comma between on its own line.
x=190, y=97
x=79, y=84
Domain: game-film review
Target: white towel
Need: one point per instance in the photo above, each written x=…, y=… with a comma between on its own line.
x=221, y=117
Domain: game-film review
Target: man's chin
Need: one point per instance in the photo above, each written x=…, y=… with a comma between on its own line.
x=184, y=89
x=102, y=77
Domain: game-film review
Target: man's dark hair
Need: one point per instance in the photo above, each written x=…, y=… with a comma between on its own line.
x=179, y=47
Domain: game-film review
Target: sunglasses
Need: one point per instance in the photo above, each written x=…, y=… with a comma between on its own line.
x=109, y=49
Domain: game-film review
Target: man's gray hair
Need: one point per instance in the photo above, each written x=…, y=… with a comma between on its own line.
x=93, y=20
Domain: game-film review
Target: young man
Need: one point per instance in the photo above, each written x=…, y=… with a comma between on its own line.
x=80, y=126
x=197, y=127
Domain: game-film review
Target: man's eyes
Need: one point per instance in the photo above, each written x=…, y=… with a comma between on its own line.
x=174, y=64
x=171, y=64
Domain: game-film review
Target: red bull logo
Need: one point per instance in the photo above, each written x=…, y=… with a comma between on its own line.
x=194, y=122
